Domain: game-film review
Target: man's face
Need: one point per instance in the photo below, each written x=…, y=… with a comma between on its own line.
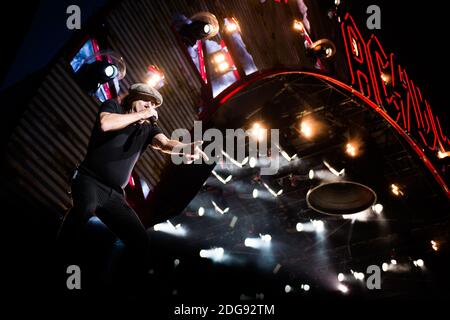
x=140, y=105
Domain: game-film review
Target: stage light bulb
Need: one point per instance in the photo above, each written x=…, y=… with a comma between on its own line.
x=224, y=66
x=351, y=149
x=342, y=288
x=110, y=71
x=232, y=27
x=298, y=26
x=395, y=189
x=218, y=58
x=306, y=129
x=377, y=208
x=258, y=132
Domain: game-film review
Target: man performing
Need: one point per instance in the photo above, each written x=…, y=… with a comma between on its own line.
x=120, y=136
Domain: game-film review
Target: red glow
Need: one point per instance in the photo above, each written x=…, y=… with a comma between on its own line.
x=201, y=61
x=131, y=182
x=400, y=98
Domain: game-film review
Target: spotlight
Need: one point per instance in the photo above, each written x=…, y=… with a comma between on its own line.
x=155, y=78
x=393, y=261
x=98, y=69
x=360, y=216
x=168, y=227
x=111, y=71
x=250, y=242
x=351, y=149
x=215, y=254
x=220, y=63
x=306, y=129
x=442, y=155
x=318, y=225
x=92, y=75
x=218, y=58
x=232, y=26
x=299, y=227
x=252, y=162
x=419, y=263
x=223, y=67
x=342, y=288
x=377, y=208
x=204, y=26
x=341, y=277
x=305, y=287
x=255, y=193
x=321, y=49
x=434, y=245
x=396, y=191
x=257, y=131
x=206, y=29
x=385, y=266
x=386, y=78
x=311, y=174
x=201, y=211
x=263, y=242
x=287, y=288
x=176, y=262
x=359, y=275
x=298, y=26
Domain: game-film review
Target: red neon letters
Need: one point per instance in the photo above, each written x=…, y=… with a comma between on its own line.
x=380, y=78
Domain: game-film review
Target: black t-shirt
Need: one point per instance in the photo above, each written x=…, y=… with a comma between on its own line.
x=112, y=155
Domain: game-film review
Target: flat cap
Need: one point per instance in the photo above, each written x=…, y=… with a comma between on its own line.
x=142, y=91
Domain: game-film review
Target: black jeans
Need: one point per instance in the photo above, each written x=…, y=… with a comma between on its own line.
x=93, y=197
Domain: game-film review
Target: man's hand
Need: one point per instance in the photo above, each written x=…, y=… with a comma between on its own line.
x=196, y=152
x=147, y=114
x=192, y=151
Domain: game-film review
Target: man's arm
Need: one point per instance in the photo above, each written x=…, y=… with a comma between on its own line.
x=166, y=145
x=117, y=121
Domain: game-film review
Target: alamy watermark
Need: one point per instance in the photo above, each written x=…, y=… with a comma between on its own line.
x=73, y=281
x=233, y=147
x=374, y=20
x=73, y=21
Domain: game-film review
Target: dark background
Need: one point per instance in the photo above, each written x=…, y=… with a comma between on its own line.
x=415, y=31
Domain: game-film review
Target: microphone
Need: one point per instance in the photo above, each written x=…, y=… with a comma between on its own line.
x=153, y=121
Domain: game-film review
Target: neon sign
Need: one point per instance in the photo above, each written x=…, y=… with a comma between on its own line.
x=380, y=78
